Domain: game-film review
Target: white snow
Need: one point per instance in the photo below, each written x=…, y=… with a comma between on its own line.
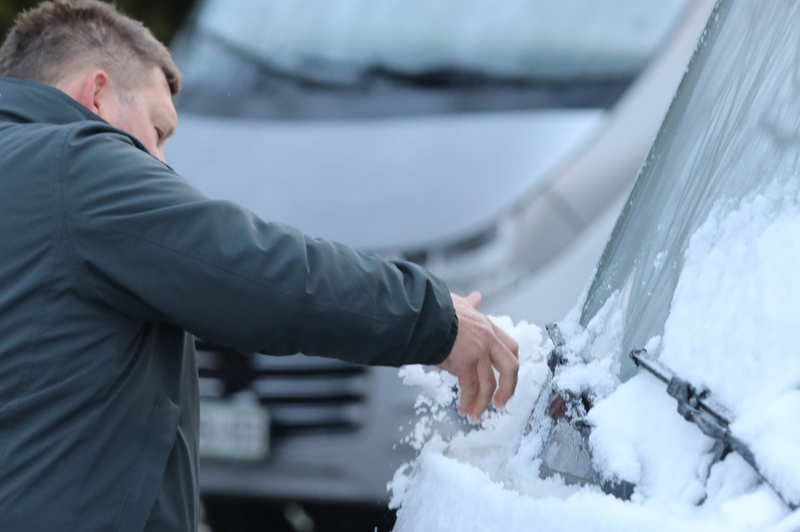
x=733, y=328
x=734, y=323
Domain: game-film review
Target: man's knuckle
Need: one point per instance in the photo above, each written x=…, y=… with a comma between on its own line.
x=482, y=332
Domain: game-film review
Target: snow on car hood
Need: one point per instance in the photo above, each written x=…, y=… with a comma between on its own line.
x=732, y=328
x=380, y=184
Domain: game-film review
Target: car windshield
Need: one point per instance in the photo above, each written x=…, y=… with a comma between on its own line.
x=552, y=39
x=731, y=133
x=526, y=53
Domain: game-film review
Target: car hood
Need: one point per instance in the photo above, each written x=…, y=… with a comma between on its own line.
x=381, y=184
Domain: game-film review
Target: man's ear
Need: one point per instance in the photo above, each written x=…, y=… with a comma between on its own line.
x=96, y=93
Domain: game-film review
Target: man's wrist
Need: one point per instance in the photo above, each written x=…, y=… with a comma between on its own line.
x=444, y=352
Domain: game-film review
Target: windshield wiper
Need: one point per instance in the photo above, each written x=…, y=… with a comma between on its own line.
x=566, y=451
x=700, y=408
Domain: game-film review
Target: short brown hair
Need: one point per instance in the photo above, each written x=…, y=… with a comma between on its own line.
x=60, y=36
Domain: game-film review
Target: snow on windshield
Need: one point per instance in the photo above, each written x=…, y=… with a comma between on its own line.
x=519, y=38
x=732, y=328
x=731, y=130
x=734, y=321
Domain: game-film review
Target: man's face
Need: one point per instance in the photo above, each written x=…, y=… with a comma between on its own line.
x=149, y=114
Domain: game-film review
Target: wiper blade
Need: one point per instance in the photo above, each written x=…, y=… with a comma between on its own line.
x=701, y=409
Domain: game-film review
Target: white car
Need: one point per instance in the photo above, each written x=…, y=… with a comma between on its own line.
x=483, y=142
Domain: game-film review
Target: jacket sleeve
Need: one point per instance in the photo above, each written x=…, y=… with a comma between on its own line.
x=149, y=245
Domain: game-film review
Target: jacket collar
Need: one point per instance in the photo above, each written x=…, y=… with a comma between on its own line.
x=28, y=101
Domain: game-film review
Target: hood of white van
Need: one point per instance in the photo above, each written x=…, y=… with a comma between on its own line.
x=385, y=184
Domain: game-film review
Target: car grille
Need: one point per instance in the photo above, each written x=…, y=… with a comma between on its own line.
x=302, y=393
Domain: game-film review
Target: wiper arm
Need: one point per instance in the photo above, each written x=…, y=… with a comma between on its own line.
x=700, y=408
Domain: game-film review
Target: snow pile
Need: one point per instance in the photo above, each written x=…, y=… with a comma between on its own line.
x=732, y=328
x=744, y=346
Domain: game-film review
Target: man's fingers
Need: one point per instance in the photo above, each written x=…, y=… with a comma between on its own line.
x=475, y=299
x=509, y=342
x=487, y=387
x=469, y=390
x=507, y=365
x=479, y=348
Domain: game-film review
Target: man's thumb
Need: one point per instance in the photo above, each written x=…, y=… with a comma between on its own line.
x=475, y=299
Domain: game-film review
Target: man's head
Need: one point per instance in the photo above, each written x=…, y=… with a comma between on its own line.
x=109, y=63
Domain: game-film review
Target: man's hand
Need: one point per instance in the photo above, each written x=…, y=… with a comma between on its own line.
x=480, y=345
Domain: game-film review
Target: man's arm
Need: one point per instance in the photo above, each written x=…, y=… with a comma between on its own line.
x=151, y=246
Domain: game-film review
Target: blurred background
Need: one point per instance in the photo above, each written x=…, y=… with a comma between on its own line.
x=163, y=17
x=492, y=142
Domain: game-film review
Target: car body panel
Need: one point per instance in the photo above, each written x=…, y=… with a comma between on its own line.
x=380, y=184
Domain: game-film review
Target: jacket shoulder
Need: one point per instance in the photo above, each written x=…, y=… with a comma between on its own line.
x=100, y=140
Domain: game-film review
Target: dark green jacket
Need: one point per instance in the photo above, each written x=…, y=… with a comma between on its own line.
x=107, y=259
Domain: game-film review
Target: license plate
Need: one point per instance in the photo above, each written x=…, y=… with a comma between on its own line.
x=233, y=430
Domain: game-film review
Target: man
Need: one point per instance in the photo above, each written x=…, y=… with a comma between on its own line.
x=109, y=262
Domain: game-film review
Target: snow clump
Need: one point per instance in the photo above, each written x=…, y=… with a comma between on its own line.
x=733, y=328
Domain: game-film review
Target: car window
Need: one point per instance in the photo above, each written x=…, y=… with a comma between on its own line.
x=729, y=134
x=530, y=39
x=522, y=53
